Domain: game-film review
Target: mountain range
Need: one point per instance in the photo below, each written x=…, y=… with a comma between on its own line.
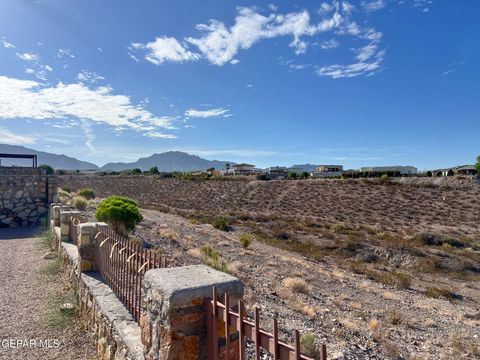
x=168, y=161
x=56, y=161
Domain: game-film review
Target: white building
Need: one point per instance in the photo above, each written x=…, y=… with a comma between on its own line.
x=403, y=170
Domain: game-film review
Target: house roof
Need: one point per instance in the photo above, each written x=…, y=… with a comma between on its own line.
x=243, y=164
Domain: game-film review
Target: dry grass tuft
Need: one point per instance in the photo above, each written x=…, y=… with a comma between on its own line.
x=296, y=284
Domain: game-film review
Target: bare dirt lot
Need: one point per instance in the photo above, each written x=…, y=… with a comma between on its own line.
x=377, y=270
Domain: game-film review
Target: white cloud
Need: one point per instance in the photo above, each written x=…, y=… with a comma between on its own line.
x=89, y=77
x=219, y=44
x=27, y=56
x=61, y=53
x=192, y=113
x=8, y=137
x=373, y=5
x=166, y=49
x=328, y=44
x=7, y=45
x=30, y=99
x=368, y=66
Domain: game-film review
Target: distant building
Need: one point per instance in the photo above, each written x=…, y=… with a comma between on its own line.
x=243, y=169
x=328, y=170
x=277, y=172
x=465, y=170
x=403, y=170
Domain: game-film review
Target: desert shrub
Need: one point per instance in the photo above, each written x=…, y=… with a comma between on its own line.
x=120, y=212
x=87, y=193
x=394, y=278
x=384, y=179
x=154, y=170
x=437, y=240
x=212, y=258
x=338, y=228
x=80, y=203
x=308, y=346
x=168, y=234
x=296, y=284
x=394, y=317
x=441, y=293
x=263, y=177
x=221, y=223
x=246, y=240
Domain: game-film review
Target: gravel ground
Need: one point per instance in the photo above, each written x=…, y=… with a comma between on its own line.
x=30, y=292
x=350, y=313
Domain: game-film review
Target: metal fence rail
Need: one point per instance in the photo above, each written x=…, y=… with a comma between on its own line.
x=123, y=265
x=236, y=322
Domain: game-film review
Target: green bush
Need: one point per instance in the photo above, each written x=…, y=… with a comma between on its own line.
x=433, y=239
x=396, y=279
x=338, y=228
x=48, y=169
x=80, y=203
x=154, y=170
x=120, y=212
x=87, y=193
x=246, y=240
x=221, y=224
x=308, y=346
x=212, y=258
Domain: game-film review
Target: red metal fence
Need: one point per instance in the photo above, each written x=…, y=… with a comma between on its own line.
x=236, y=322
x=123, y=265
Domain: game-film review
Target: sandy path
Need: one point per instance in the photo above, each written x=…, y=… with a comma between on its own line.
x=28, y=298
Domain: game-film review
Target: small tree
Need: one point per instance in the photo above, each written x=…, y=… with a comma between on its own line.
x=120, y=212
x=429, y=173
x=136, y=171
x=292, y=175
x=154, y=170
x=48, y=169
x=477, y=165
x=304, y=175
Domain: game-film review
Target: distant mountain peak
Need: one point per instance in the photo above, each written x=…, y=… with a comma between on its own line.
x=169, y=161
x=54, y=160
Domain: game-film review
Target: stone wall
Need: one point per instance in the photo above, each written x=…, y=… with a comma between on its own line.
x=25, y=194
x=117, y=334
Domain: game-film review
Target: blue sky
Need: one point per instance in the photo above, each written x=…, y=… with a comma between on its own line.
x=360, y=83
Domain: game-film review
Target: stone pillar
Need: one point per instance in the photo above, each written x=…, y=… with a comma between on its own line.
x=55, y=214
x=86, y=246
x=173, y=319
x=65, y=224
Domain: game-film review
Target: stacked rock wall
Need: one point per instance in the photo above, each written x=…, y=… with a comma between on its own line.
x=25, y=194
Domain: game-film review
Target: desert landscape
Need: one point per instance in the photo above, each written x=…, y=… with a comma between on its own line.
x=375, y=268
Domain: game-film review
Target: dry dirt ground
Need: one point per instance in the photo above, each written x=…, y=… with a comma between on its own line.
x=357, y=317
x=31, y=292
x=378, y=270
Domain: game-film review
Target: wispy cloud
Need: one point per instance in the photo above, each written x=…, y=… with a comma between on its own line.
x=219, y=44
x=8, y=137
x=27, y=56
x=30, y=99
x=6, y=44
x=194, y=113
x=89, y=77
x=373, y=5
